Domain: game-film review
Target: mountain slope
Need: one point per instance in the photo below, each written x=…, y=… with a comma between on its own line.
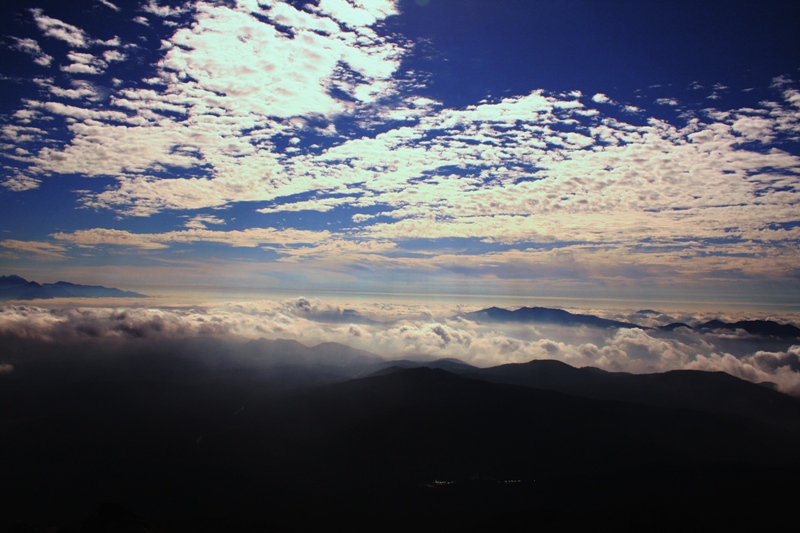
x=712, y=392
x=207, y=451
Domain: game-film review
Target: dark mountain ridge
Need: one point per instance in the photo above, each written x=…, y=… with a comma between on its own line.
x=711, y=392
x=16, y=288
x=767, y=328
x=545, y=315
x=225, y=454
x=762, y=328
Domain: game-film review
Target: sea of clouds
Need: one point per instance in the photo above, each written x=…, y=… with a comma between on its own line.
x=424, y=332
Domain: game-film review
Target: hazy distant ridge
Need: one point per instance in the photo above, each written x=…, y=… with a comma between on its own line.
x=755, y=327
x=17, y=288
x=545, y=315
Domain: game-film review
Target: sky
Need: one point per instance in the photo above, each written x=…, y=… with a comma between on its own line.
x=366, y=171
x=613, y=150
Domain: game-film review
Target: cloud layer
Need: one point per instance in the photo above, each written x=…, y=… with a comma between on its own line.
x=417, y=331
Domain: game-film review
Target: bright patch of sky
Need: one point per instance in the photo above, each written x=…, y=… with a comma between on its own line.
x=606, y=148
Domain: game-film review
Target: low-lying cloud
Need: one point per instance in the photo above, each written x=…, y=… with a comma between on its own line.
x=392, y=330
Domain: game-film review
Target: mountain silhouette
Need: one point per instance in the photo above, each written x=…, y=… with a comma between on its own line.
x=712, y=392
x=764, y=328
x=673, y=326
x=767, y=328
x=411, y=448
x=16, y=288
x=545, y=315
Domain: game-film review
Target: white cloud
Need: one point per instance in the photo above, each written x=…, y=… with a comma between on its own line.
x=114, y=42
x=780, y=368
x=43, y=250
x=792, y=96
x=201, y=221
x=356, y=13
x=57, y=29
x=601, y=98
x=293, y=79
x=229, y=96
x=21, y=182
x=80, y=89
x=80, y=68
x=113, y=55
x=755, y=128
x=248, y=238
x=154, y=8
x=80, y=113
x=32, y=48
x=21, y=134
x=83, y=63
x=109, y=5
x=81, y=57
x=323, y=205
x=666, y=101
x=338, y=253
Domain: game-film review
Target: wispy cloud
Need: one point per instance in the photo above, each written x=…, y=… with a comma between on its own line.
x=44, y=250
x=666, y=101
x=201, y=221
x=32, y=48
x=109, y=5
x=154, y=8
x=83, y=63
x=57, y=29
x=246, y=238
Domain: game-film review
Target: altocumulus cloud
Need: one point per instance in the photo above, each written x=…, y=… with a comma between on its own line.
x=263, y=103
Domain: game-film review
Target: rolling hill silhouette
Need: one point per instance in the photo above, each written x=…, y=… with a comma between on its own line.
x=409, y=448
x=711, y=392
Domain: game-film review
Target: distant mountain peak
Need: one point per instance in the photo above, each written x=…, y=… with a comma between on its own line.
x=14, y=287
x=545, y=315
x=767, y=328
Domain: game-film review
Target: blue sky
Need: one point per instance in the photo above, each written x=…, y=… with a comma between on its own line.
x=606, y=149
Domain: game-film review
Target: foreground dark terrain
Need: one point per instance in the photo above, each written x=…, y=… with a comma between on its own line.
x=161, y=442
